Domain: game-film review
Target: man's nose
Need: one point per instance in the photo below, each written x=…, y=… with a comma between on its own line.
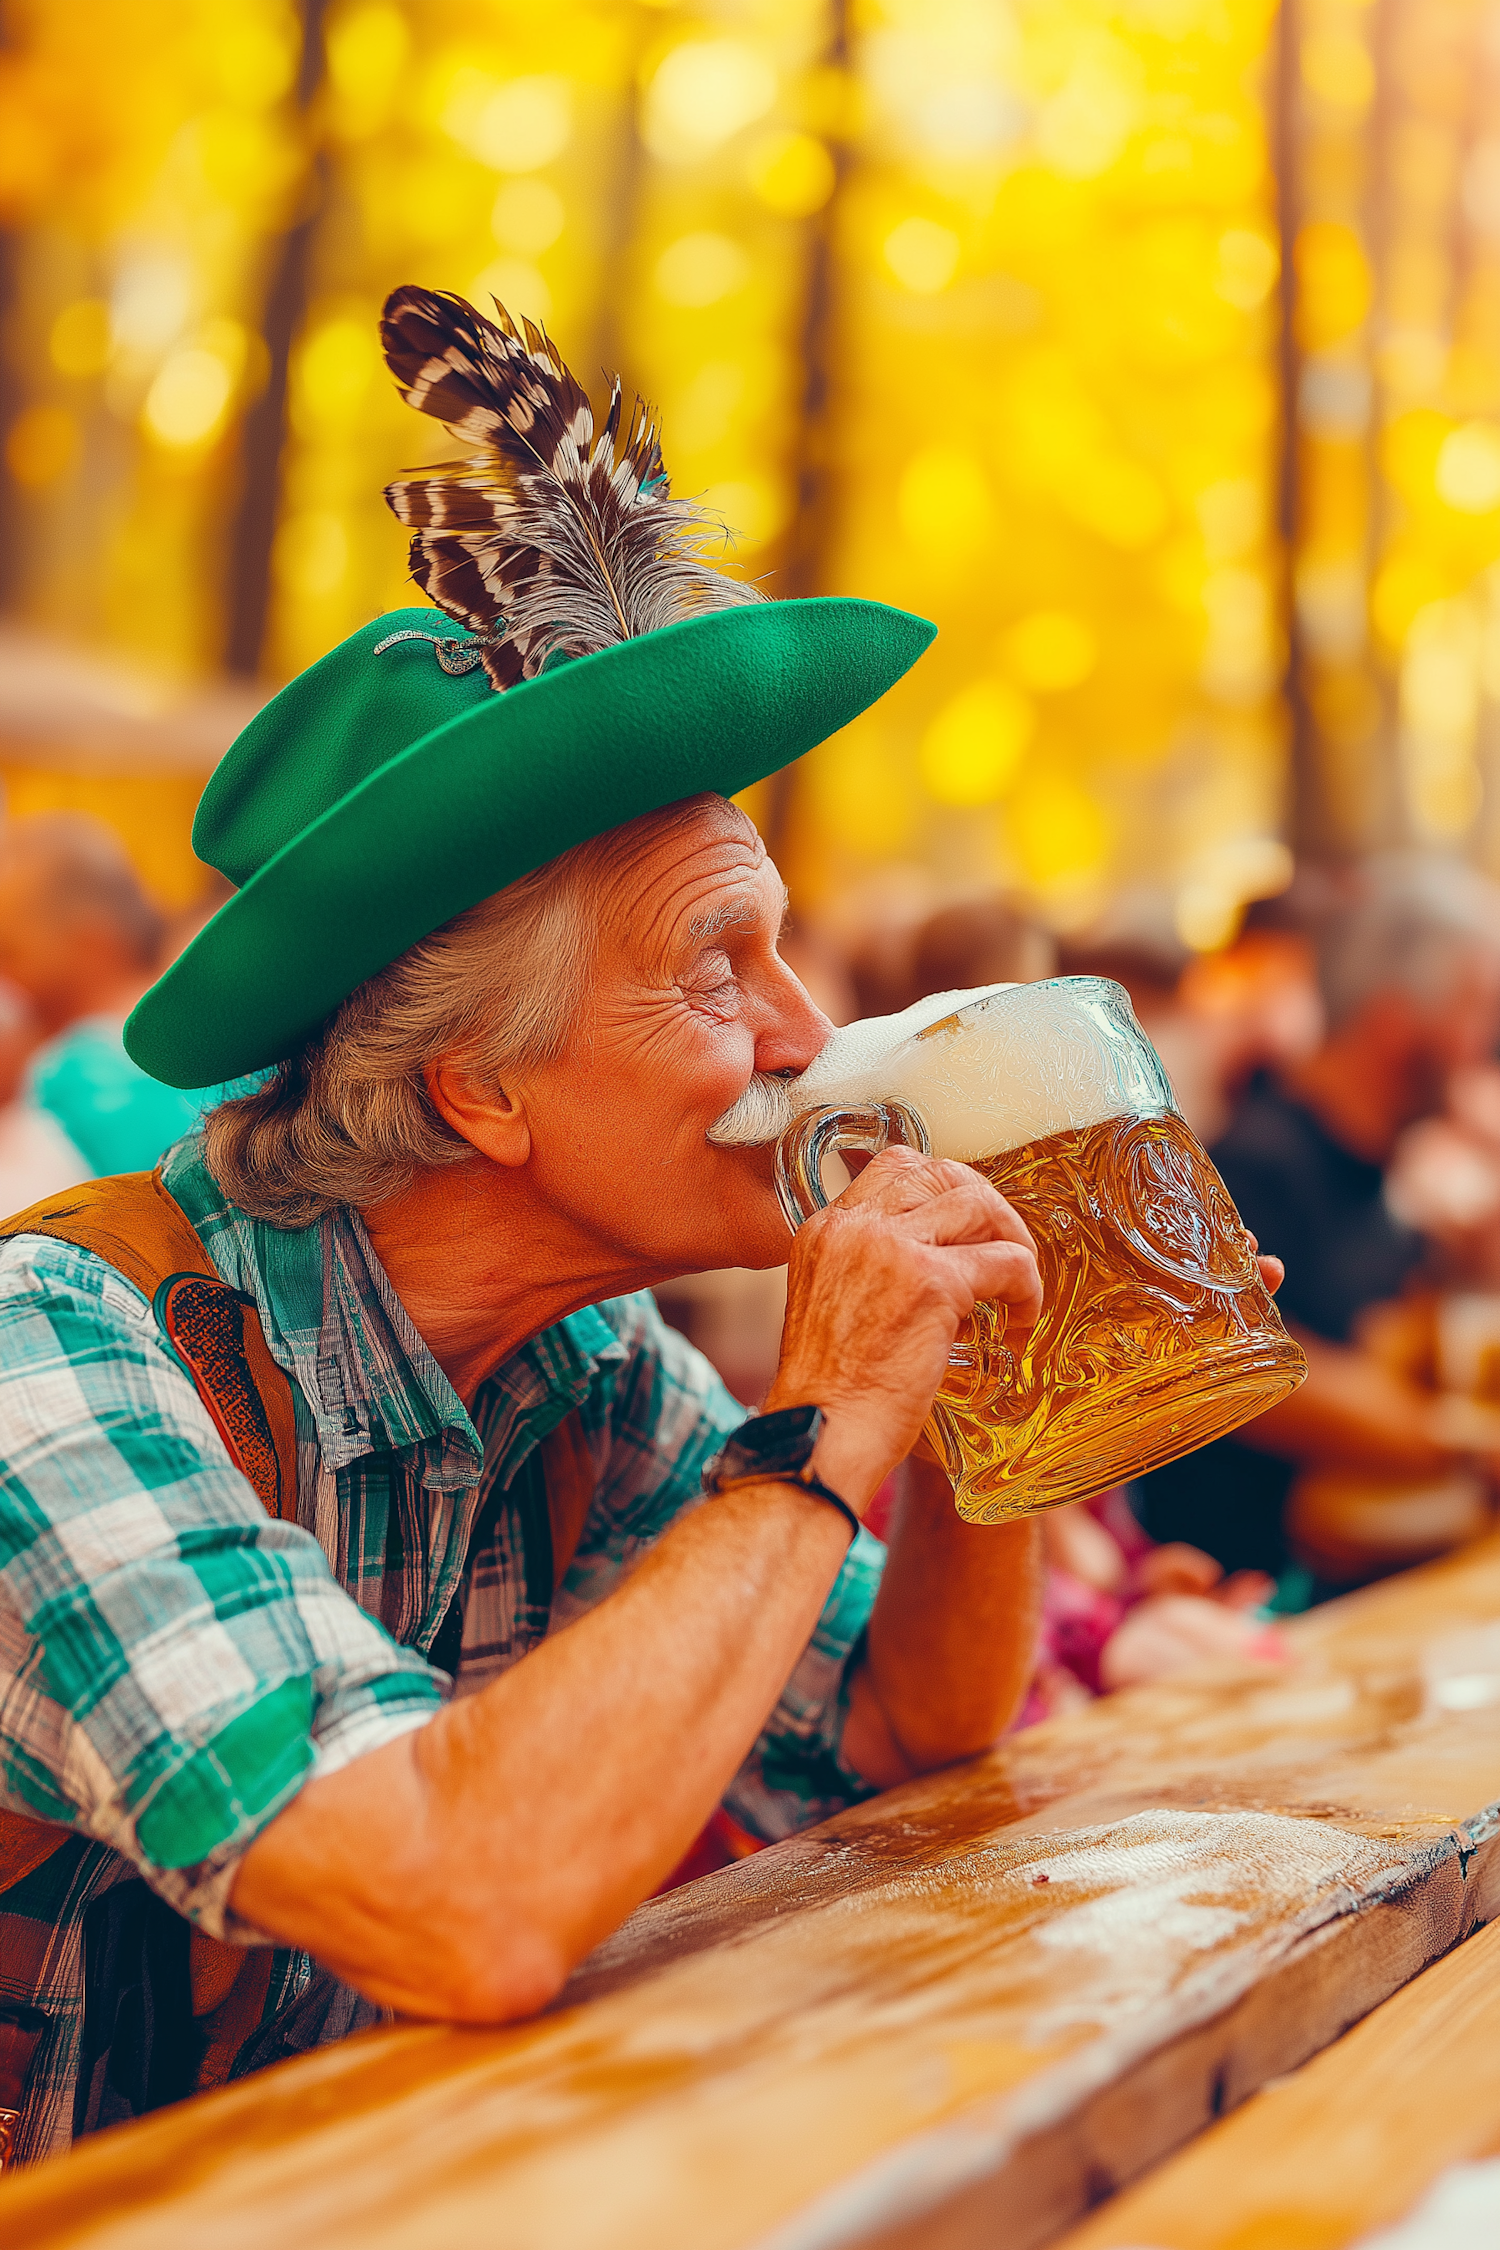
x=795, y=1030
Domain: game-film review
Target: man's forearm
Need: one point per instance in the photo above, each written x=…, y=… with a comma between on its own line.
x=952, y=1640
x=464, y=1869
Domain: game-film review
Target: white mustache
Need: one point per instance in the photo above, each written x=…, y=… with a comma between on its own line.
x=859, y=1064
x=762, y=1113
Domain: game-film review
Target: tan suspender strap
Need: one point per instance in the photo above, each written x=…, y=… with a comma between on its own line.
x=133, y=1224
x=130, y=1222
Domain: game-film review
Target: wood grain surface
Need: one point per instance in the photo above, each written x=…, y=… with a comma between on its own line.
x=961, y=2015
x=1346, y=2144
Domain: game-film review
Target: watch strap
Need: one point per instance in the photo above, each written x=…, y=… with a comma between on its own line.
x=805, y=1481
x=767, y=1444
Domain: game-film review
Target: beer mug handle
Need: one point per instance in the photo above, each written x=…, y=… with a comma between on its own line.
x=803, y=1146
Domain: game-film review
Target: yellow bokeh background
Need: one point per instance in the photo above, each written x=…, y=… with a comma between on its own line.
x=977, y=306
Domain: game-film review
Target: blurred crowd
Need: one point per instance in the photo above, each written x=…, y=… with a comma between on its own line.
x=1339, y=1060
x=80, y=940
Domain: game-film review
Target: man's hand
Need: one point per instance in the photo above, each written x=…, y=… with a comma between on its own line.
x=877, y=1286
x=952, y=1641
x=452, y=1872
x=1272, y=1271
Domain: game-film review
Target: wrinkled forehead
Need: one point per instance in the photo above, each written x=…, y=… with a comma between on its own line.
x=692, y=871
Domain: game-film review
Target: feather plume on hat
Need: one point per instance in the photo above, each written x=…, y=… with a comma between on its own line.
x=549, y=538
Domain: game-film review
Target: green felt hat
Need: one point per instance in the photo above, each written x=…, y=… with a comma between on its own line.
x=380, y=794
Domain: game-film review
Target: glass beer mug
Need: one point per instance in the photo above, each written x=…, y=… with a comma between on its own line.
x=1157, y=1332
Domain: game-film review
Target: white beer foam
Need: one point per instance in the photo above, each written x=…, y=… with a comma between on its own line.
x=992, y=1069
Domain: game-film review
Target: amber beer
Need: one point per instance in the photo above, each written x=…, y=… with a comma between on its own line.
x=1157, y=1332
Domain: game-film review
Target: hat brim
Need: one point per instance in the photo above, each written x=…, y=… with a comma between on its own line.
x=713, y=703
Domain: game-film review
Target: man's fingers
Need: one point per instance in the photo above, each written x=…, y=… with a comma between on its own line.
x=879, y=1177
x=998, y=1254
x=1272, y=1271
x=969, y=1211
x=1003, y=1273
x=938, y=1198
x=901, y=1179
x=951, y=1208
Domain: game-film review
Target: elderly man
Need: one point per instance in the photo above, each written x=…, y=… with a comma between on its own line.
x=360, y=1395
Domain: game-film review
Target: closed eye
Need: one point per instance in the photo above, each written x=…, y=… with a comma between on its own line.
x=710, y=979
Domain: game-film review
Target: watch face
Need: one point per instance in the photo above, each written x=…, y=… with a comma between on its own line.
x=784, y=1440
x=785, y=1427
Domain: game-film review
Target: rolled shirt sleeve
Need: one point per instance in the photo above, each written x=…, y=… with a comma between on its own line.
x=654, y=1424
x=174, y=1664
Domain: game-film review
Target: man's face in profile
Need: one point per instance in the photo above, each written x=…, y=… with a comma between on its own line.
x=689, y=1000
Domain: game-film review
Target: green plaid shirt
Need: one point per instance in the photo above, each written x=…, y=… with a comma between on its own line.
x=174, y=1664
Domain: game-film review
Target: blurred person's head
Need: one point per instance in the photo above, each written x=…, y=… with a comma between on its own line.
x=1148, y=962
x=982, y=941
x=880, y=968
x=1258, y=1001
x=1150, y=975
x=1418, y=924
x=1134, y=943
x=1408, y=966
x=78, y=934
x=973, y=942
x=1213, y=1018
x=20, y=1034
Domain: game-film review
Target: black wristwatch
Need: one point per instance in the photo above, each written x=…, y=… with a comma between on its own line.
x=776, y=1449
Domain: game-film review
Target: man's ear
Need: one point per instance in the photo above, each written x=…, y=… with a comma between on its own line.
x=491, y=1119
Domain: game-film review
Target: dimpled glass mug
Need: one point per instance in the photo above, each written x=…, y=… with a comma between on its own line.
x=1157, y=1332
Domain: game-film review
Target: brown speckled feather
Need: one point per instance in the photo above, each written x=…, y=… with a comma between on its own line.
x=548, y=538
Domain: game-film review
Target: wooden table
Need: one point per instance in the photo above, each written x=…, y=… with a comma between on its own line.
x=1349, y=2143
x=960, y=2016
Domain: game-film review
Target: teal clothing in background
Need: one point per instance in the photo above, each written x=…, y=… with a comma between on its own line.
x=119, y=1119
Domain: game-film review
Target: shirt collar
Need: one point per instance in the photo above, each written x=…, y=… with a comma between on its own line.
x=334, y=1323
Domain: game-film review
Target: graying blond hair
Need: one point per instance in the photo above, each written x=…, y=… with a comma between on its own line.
x=348, y=1119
